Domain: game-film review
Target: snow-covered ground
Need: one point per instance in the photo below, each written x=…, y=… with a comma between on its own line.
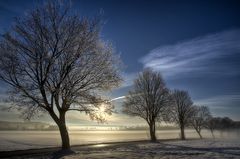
x=23, y=140
x=189, y=149
x=226, y=145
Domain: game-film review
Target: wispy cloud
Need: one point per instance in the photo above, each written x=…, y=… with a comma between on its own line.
x=223, y=105
x=221, y=102
x=210, y=54
x=128, y=79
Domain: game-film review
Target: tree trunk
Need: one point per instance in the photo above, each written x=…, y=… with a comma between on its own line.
x=212, y=134
x=61, y=123
x=199, y=133
x=63, y=132
x=152, y=132
x=182, y=132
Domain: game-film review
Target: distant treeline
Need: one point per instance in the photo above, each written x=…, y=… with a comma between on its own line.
x=5, y=125
x=224, y=123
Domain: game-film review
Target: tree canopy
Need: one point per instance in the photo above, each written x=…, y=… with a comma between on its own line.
x=148, y=99
x=56, y=61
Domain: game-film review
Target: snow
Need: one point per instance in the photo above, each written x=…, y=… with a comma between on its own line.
x=197, y=149
x=226, y=145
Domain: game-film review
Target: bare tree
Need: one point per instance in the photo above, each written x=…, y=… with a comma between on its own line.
x=211, y=125
x=55, y=62
x=181, y=110
x=148, y=99
x=200, y=117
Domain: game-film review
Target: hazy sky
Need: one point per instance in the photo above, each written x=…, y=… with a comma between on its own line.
x=194, y=44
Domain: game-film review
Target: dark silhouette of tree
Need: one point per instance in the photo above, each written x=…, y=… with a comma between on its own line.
x=200, y=118
x=212, y=125
x=226, y=123
x=55, y=61
x=148, y=99
x=181, y=110
x=222, y=124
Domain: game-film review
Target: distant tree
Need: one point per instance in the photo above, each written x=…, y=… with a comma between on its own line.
x=181, y=110
x=55, y=62
x=212, y=125
x=200, y=118
x=148, y=99
x=227, y=123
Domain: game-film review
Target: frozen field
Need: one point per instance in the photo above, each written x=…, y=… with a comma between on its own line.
x=19, y=140
x=190, y=149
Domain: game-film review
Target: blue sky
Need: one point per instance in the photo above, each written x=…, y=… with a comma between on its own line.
x=194, y=44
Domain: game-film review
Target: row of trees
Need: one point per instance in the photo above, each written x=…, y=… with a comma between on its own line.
x=55, y=61
x=151, y=100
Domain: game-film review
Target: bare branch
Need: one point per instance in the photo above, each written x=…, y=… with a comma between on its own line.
x=181, y=110
x=53, y=58
x=148, y=99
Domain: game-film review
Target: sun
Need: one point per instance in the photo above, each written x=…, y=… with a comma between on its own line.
x=102, y=108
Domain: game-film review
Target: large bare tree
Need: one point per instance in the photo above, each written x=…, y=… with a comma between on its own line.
x=181, y=110
x=200, y=118
x=55, y=61
x=148, y=99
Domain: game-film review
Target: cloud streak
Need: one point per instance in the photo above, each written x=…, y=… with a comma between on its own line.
x=221, y=102
x=128, y=79
x=223, y=105
x=210, y=54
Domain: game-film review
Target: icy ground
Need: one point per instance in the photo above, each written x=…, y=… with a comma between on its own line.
x=189, y=149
